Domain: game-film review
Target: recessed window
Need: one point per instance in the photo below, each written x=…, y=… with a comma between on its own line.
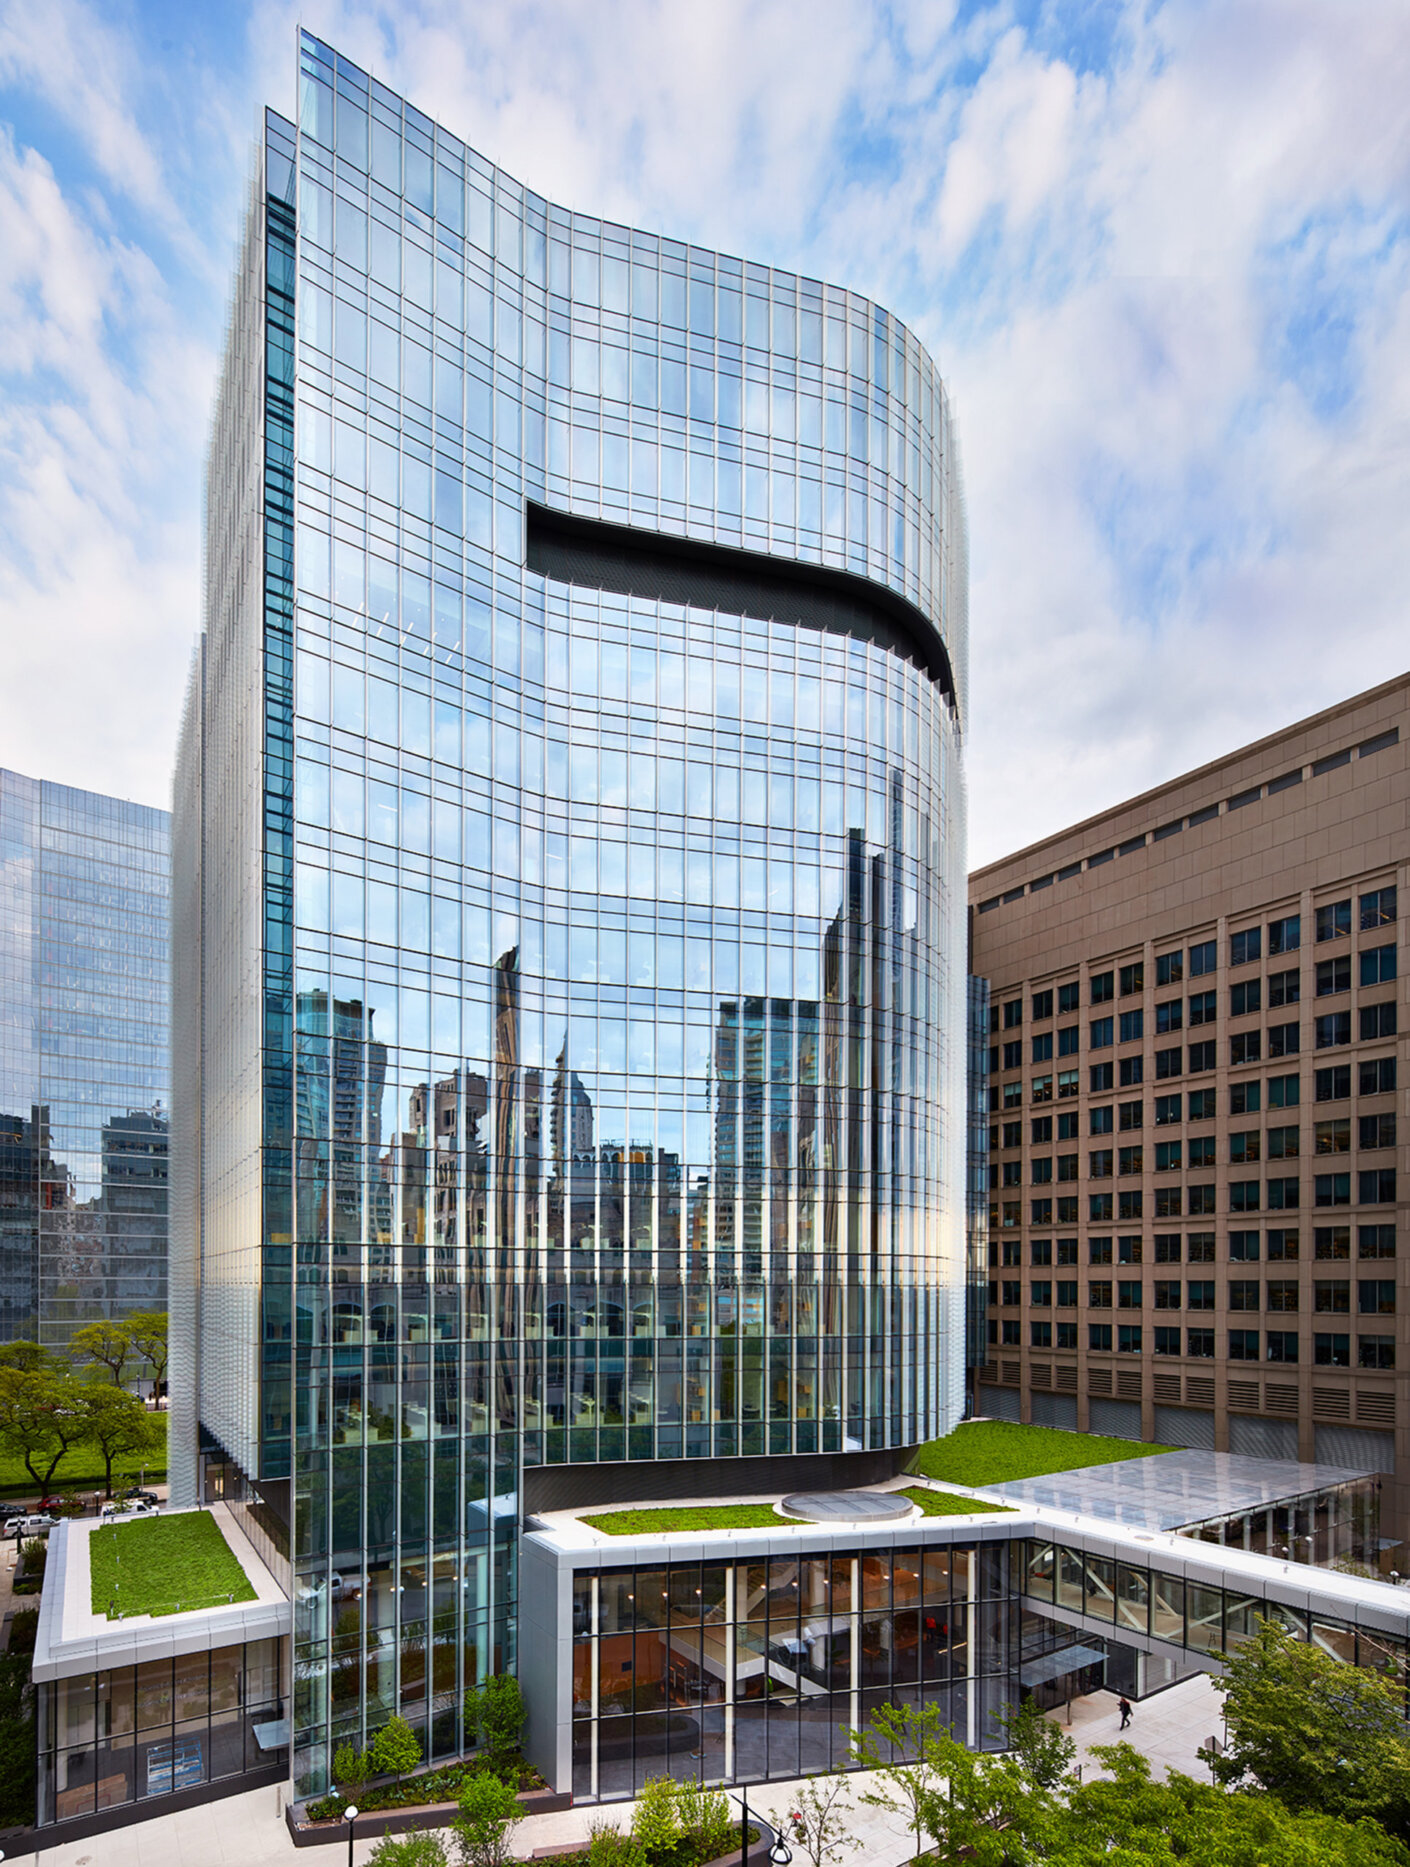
x=1334, y=920
x=1246, y=947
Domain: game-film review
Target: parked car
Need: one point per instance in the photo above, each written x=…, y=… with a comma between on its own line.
x=13, y=1525
x=142, y=1497
x=124, y=1508
x=38, y=1525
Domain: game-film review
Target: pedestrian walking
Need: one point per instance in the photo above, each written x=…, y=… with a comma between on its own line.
x=1124, y=1706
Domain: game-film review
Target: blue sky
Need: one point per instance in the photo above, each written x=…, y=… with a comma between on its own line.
x=1161, y=253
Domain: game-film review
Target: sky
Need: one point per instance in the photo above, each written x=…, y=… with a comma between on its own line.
x=1160, y=252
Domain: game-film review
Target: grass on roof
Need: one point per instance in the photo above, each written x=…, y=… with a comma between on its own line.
x=685, y=1517
x=991, y=1452
x=164, y=1565
x=948, y=1503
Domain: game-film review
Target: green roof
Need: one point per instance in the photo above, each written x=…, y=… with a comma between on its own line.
x=164, y=1565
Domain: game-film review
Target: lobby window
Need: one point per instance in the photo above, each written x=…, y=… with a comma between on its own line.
x=1133, y=978
x=1282, y=1345
x=1167, y=1341
x=1334, y=920
x=1332, y=1029
x=1284, y=988
x=1333, y=1085
x=1331, y=1351
x=1282, y=1144
x=1377, y=1021
x=1333, y=976
x=1377, y=909
x=1331, y=1243
x=1199, y=1344
x=1375, y=1076
x=1133, y=1026
x=1128, y=1338
x=1285, y=936
x=1204, y=958
x=1101, y=1033
x=1069, y=997
x=1169, y=968
x=1332, y=1189
x=1043, y=1047
x=1204, y=1007
x=1101, y=1120
x=1376, y=1131
x=1101, y=1078
x=1099, y=1337
x=1170, y=1016
x=1247, y=1047
x=1168, y=1155
x=1246, y=1145
x=1284, y=1092
x=1377, y=1187
x=1244, y=1247
x=1202, y=1107
x=1132, y=1072
x=1199, y=1295
x=1282, y=1245
x=1375, y=1241
x=1245, y=998
x=1246, y=947
x=1243, y=1345
x=1332, y=1298
x=1042, y=1006
x=1202, y=1150
x=1282, y=1294
x=1375, y=1351
x=1377, y=966
x=1101, y=987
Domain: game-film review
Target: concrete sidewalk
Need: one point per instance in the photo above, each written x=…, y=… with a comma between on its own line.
x=1168, y=1728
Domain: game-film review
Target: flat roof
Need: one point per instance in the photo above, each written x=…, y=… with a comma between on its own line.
x=72, y=1639
x=1177, y=1489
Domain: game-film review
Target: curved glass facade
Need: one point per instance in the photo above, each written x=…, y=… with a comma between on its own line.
x=613, y=944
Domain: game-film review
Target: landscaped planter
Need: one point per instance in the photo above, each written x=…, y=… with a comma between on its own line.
x=378, y=1822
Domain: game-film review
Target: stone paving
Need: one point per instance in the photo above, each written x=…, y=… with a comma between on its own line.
x=248, y=1830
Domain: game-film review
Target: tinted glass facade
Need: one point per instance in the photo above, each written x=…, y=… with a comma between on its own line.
x=83, y=1058
x=605, y=1102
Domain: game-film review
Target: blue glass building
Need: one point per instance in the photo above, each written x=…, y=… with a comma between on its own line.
x=83, y=1058
x=570, y=1009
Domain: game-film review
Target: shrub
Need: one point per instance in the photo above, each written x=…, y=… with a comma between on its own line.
x=609, y=1847
x=351, y=1766
x=422, y=1850
x=488, y=1810
x=494, y=1717
x=656, y=1823
x=396, y=1749
x=705, y=1818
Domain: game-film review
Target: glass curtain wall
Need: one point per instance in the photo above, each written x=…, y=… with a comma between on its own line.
x=612, y=949
x=84, y=950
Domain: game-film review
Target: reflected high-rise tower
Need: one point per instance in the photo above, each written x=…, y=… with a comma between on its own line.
x=569, y=879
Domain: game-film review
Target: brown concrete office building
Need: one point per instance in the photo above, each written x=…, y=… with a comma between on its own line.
x=1197, y=1073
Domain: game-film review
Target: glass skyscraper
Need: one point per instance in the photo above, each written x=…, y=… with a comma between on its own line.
x=569, y=891
x=84, y=936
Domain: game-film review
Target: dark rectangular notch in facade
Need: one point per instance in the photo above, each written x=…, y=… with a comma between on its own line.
x=1286, y=782
x=1379, y=743
x=1331, y=762
x=1130, y=848
x=1238, y=801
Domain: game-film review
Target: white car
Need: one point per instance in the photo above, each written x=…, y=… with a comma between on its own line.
x=120, y=1511
x=36, y=1526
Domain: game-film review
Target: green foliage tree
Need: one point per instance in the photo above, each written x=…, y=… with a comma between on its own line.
x=41, y=1417
x=148, y=1333
x=896, y=1746
x=102, y=1344
x=419, y=1850
x=31, y=1358
x=494, y=1718
x=116, y=1422
x=488, y=1812
x=351, y=1768
x=1044, y=1748
x=656, y=1822
x=705, y=1819
x=396, y=1749
x=817, y=1821
x=1317, y=1733
x=983, y=1808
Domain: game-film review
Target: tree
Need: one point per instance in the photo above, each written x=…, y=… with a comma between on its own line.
x=494, y=1718
x=148, y=1331
x=985, y=1809
x=419, y=1850
x=41, y=1417
x=817, y=1821
x=488, y=1810
x=396, y=1749
x=1317, y=1733
x=32, y=1358
x=656, y=1822
x=351, y=1768
x=117, y=1423
x=105, y=1344
x=705, y=1818
x=907, y=1778
x=1044, y=1748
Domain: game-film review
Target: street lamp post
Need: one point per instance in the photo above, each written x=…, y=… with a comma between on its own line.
x=350, y=1816
x=780, y=1854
